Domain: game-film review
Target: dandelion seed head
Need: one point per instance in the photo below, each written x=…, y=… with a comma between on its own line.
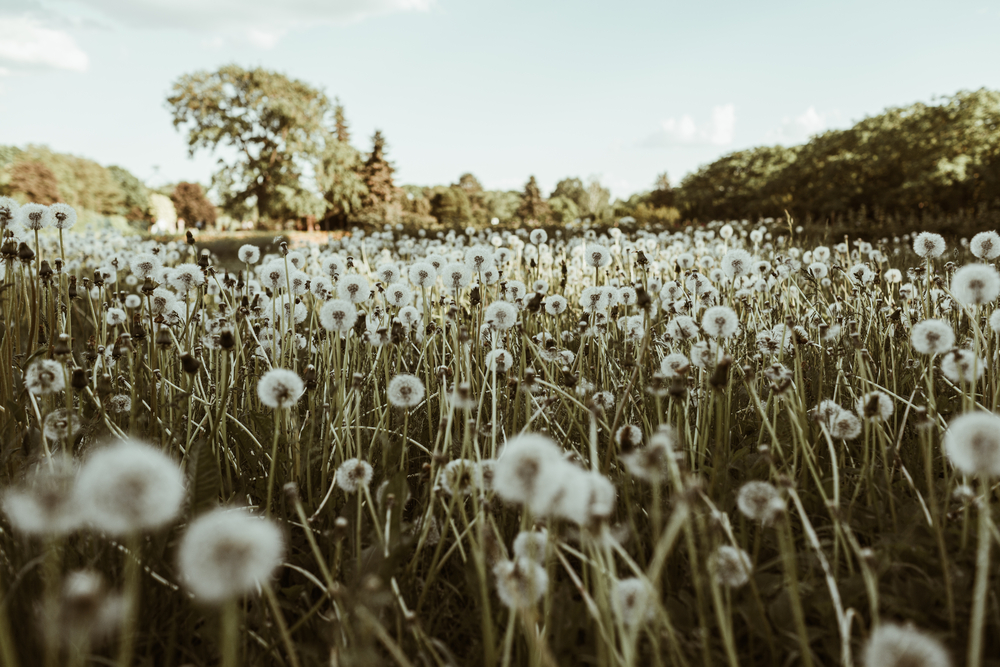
x=633, y=601
x=760, y=502
x=972, y=444
x=929, y=245
x=248, y=254
x=731, y=565
x=354, y=475
x=932, y=336
x=44, y=377
x=129, y=486
x=520, y=582
x=280, y=388
x=405, y=391
x=893, y=645
x=985, y=245
x=976, y=284
x=225, y=554
x=45, y=504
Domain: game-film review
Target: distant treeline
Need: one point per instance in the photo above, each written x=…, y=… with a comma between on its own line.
x=940, y=159
x=38, y=174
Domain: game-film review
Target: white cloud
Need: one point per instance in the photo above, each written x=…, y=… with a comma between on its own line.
x=798, y=129
x=261, y=22
x=716, y=131
x=29, y=43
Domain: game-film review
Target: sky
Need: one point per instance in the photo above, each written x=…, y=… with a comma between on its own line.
x=504, y=89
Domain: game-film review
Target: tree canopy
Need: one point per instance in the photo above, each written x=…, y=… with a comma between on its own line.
x=275, y=126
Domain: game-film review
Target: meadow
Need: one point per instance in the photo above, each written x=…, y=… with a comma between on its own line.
x=727, y=445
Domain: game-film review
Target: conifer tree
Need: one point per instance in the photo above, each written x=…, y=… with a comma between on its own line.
x=533, y=206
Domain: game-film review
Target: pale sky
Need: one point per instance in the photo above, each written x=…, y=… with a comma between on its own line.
x=502, y=88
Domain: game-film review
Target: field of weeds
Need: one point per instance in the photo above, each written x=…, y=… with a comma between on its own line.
x=721, y=446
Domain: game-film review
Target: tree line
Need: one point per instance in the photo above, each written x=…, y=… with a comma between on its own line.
x=941, y=158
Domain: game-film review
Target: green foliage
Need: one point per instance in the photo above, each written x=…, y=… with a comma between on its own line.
x=191, y=204
x=36, y=173
x=532, y=208
x=377, y=176
x=450, y=205
x=274, y=123
x=338, y=177
x=136, y=205
x=943, y=156
x=563, y=209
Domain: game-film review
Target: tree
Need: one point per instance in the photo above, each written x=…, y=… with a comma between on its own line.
x=450, y=205
x=663, y=195
x=192, y=205
x=573, y=190
x=377, y=175
x=275, y=125
x=338, y=173
x=532, y=207
x=136, y=204
x=563, y=209
x=35, y=181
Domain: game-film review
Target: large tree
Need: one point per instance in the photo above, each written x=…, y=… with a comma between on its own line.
x=377, y=174
x=338, y=173
x=191, y=204
x=274, y=124
x=532, y=207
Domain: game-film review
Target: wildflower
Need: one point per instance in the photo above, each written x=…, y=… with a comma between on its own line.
x=555, y=304
x=115, y=317
x=893, y=645
x=501, y=315
x=8, y=212
x=398, y=295
x=976, y=284
x=133, y=301
x=162, y=301
x=962, y=366
x=628, y=437
x=597, y=256
x=248, y=254
x=531, y=544
x=60, y=424
x=338, y=315
x=186, y=277
x=226, y=554
x=44, y=377
x=405, y=391
x=737, y=262
x=459, y=477
x=604, y=400
x=720, y=322
x=682, y=327
x=514, y=290
x=972, y=443
x=594, y=300
x=985, y=245
x=88, y=612
x=932, y=337
x=128, y=487
x=818, y=270
x=875, y=406
x=633, y=601
x=499, y=360
x=120, y=403
x=354, y=474
x=33, y=216
x=61, y=216
x=456, y=276
x=333, y=266
x=45, y=504
x=538, y=236
x=761, y=502
x=387, y=272
x=845, y=425
x=520, y=582
x=995, y=321
x=894, y=276
x=280, y=388
x=528, y=471
x=731, y=565
x=479, y=258
x=704, y=354
x=929, y=245
x=586, y=496
x=675, y=365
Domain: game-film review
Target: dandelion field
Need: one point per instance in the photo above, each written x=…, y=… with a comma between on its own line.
x=732, y=445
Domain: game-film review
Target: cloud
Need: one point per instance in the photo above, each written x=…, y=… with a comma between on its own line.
x=28, y=43
x=798, y=129
x=684, y=131
x=261, y=22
